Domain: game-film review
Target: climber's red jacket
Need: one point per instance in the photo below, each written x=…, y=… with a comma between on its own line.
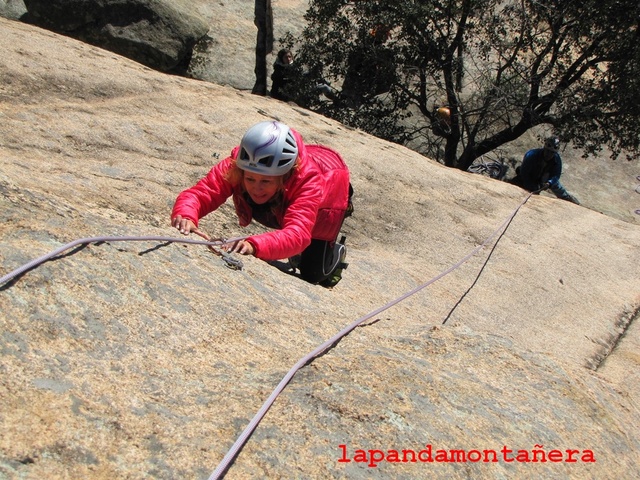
x=315, y=201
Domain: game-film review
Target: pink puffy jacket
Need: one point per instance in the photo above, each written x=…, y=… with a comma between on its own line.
x=315, y=200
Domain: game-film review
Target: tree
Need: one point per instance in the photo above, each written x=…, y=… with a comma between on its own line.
x=263, y=20
x=501, y=67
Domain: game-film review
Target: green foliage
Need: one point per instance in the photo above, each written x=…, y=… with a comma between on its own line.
x=502, y=68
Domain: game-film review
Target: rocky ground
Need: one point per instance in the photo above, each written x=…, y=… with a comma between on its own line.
x=147, y=360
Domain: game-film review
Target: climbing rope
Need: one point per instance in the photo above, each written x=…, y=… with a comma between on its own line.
x=244, y=436
x=494, y=168
x=232, y=262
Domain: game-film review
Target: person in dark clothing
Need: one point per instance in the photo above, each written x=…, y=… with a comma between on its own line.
x=283, y=71
x=541, y=169
x=290, y=83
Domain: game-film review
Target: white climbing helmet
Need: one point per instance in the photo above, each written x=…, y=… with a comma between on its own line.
x=268, y=148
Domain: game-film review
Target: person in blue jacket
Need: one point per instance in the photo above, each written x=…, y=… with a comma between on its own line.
x=541, y=169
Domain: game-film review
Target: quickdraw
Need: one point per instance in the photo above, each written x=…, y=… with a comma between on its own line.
x=230, y=261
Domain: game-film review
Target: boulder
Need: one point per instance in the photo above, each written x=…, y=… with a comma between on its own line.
x=160, y=34
x=148, y=359
x=12, y=9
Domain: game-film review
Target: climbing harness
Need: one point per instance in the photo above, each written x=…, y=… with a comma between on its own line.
x=246, y=433
x=229, y=260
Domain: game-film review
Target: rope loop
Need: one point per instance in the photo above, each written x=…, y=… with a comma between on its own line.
x=244, y=436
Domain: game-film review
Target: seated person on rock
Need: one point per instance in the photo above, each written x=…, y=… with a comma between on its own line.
x=301, y=191
x=541, y=169
x=290, y=84
x=283, y=72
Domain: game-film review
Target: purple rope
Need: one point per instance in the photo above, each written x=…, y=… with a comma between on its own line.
x=82, y=241
x=244, y=436
x=242, y=439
